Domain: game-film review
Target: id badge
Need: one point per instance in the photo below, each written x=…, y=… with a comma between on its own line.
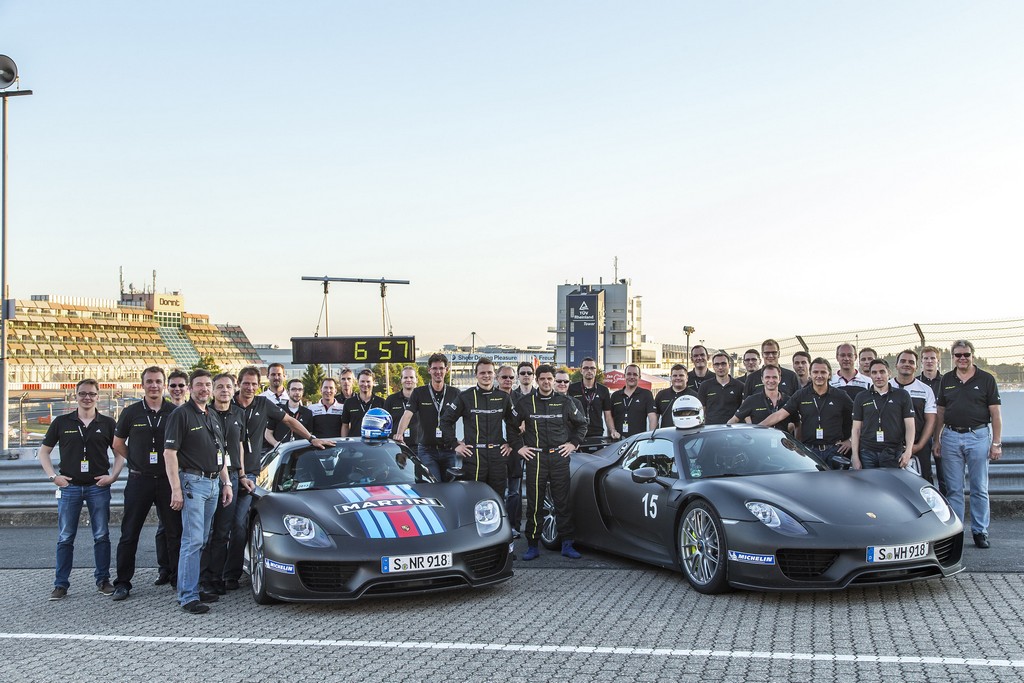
x=407, y=433
x=879, y=436
x=220, y=459
x=437, y=433
x=85, y=466
x=152, y=458
x=625, y=426
x=56, y=494
x=819, y=434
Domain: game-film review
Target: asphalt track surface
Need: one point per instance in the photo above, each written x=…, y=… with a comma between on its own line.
x=600, y=618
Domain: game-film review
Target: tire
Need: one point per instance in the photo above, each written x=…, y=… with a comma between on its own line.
x=257, y=569
x=703, y=555
x=549, y=523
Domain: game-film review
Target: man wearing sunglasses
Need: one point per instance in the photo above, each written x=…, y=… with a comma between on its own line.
x=84, y=477
x=177, y=394
x=969, y=422
x=525, y=388
x=514, y=485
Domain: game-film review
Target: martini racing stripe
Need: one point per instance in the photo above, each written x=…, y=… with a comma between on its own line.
x=393, y=522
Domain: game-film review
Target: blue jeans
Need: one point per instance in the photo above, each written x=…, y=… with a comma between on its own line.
x=215, y=552
x=69, y=509
x=437, y=460
x=239, y=533
x=883, y=457
x=200, y=497
x=971, y=450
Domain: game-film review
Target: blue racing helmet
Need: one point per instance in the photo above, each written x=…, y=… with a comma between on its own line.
x=376, y=424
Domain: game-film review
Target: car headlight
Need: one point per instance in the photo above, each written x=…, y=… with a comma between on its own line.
x=774, y=518
x=937, y=503
x=306, y=531
x=488, y=517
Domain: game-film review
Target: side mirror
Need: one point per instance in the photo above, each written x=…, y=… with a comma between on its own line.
x=644, y=475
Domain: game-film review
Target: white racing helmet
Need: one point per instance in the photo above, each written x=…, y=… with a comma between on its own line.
x=687, y=412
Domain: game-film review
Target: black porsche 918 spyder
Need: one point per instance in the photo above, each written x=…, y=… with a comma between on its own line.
x=749, y=507
x=366, y=518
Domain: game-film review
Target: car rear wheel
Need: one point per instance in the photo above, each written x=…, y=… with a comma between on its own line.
x=257, y=567
x=549, y=523
x=702, y=548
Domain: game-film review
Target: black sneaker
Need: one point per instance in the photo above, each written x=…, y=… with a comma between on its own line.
x=208, y=597
x=195, y=607
x=231, y=584
x=105, y=587
x=981, y=540
x=162, y=580
x=59, y=593
x=219, y=589
x=120, y=593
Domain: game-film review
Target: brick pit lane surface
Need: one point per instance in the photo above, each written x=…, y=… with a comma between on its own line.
x=599, y=618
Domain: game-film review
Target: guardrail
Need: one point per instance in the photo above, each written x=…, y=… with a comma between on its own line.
x=23, y=485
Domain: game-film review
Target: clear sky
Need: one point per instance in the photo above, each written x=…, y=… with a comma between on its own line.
x=759, y=168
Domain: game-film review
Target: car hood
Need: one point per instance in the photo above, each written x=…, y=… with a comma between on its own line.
x=844, y=497
x=396, y=511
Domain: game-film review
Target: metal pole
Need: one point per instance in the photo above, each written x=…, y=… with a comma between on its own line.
x=4, y=443
x=384, y=333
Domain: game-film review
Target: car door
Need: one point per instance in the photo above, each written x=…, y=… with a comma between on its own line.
x=639, y=511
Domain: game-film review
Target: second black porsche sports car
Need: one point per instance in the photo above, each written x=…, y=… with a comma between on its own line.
x=745, y=506
x=365, y=518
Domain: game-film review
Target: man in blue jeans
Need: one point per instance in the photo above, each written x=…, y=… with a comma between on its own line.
x=970, y=424
x=197, y=469
x=427, y=403
x=85, y=438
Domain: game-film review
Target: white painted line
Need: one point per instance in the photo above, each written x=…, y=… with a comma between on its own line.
x=512, y=647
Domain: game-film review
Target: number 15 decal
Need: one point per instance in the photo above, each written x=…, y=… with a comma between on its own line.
x=650, y=501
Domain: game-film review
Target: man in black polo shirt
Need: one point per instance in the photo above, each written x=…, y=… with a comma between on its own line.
x=931, y=376
x=139, y=439
x=398, y=402
x=595, y=399
x=197, y=467
x=802, y=370
x=883, y=423
x=765, y=403
x=278, y=430
x=356, y=406
x=256, y=412
x=970, y=425
x=84, y=437
x=426, y=405
x=825, y=414
x=214, y=555
x=633, y=407
x=666, y=397
x=751, y=362
x=752, y=383
x=722, y=396
x=701, y=372
x=177, y=394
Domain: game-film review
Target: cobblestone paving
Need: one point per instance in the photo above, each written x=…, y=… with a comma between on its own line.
x=645, y=625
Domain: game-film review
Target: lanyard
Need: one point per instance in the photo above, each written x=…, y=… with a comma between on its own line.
x=880, y=411
x=438, y=401
x=85, y=450
x=214, y=432
x=153, y=427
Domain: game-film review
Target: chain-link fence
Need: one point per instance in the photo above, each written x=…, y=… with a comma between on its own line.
x=999, y=345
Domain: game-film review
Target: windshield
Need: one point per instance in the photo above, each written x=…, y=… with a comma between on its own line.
x=742, y=451
x=351, y=463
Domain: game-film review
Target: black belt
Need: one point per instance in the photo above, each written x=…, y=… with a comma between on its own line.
x=821, y=447
x=137, y=473
x=486, y=445
x=964, y=430
x=204, y=475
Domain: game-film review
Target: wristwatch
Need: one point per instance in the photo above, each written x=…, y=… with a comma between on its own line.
x=997, y=445
x=52, y=477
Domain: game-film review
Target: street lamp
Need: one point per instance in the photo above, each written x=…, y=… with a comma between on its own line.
x=8, y=77
x=689, y=329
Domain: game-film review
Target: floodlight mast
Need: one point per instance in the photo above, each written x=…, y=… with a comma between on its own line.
x=383, y=282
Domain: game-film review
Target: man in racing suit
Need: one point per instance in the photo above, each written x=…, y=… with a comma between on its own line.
x=555, y=427
x=484, y=449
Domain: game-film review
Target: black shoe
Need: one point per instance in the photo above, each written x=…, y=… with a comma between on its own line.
x=162, y=580
x=981, y=540
x=104, y=587
x=208, y=597
x=195, y=607
x=219, y=589
x=231, y=584
x=120, y=593
x=59, y=593
x=515, y=534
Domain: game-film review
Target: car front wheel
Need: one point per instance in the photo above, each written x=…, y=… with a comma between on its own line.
x=702, y=548
x=549, y=523
x=257, y=567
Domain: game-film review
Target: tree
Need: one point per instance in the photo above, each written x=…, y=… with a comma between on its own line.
x=577, y=376
x=207, y=363
x=312, y=380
